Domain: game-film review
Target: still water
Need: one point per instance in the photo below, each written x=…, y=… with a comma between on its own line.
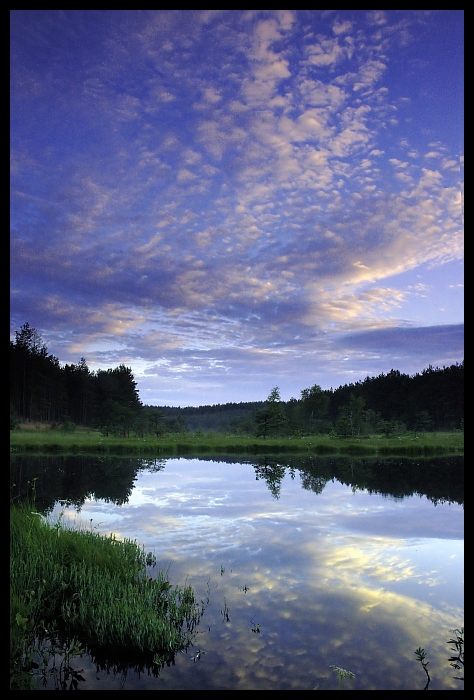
x=300, y=565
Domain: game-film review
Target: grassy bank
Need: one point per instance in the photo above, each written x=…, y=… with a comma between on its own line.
x=72, y=589
x=93, y=442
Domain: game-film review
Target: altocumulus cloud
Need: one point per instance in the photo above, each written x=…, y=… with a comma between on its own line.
x=237, y=184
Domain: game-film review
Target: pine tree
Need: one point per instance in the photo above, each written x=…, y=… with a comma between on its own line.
x=271, y=418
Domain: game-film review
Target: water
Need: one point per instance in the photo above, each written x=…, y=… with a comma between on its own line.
x=299, y=567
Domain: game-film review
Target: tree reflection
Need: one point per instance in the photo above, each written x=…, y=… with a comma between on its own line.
x=272, y=472
x=75, y=478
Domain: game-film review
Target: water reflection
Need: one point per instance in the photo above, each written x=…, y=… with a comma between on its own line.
x=300, y=564
x=75, y=478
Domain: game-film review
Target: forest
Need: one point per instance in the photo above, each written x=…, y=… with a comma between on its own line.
x=43, y=391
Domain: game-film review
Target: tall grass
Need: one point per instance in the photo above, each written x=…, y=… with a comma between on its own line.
x=68, y=584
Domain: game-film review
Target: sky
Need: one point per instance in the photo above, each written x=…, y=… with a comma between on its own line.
x=232, y=200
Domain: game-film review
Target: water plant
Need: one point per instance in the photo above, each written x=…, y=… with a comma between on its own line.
x=79, y=585
x=457, y=661
x=256, y=627
x=421, y=656
x=342, y=673
x=197, y=655
x=225, y=612
x=57, y=664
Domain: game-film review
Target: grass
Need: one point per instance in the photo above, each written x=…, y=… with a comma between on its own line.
x=77, y=588
x=93, y=442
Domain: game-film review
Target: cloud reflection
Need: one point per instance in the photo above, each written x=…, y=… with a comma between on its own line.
x=323, y=591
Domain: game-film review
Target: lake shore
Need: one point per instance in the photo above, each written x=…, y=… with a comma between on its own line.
x=40, y=440
x=75, y=589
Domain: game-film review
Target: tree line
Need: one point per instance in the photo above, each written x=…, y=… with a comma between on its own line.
x=41, y=390
x=388, y=404
x=392, y=403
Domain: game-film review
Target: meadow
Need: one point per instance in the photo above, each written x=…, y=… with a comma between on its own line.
x=40, y=440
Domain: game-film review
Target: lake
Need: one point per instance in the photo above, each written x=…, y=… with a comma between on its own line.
x=300, y=563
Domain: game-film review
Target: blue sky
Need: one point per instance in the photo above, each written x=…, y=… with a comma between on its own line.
x=230, y=200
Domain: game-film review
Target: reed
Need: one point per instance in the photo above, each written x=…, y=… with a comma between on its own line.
x=68, y=584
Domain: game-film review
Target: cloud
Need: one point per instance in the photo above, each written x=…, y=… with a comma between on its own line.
x=377, y=17
x=437, y=340
x=341, y=27
x=239, y=165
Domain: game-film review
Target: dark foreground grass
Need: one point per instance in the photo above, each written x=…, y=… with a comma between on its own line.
x=73, y=589
x=93, y=442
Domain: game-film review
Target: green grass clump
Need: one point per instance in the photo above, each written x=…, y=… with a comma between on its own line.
x=68, y=584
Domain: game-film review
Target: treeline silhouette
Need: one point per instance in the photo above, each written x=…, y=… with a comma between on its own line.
x=41, y=390
x=432, y=400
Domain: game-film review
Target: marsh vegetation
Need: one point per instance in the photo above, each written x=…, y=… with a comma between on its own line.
x=72, y=590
